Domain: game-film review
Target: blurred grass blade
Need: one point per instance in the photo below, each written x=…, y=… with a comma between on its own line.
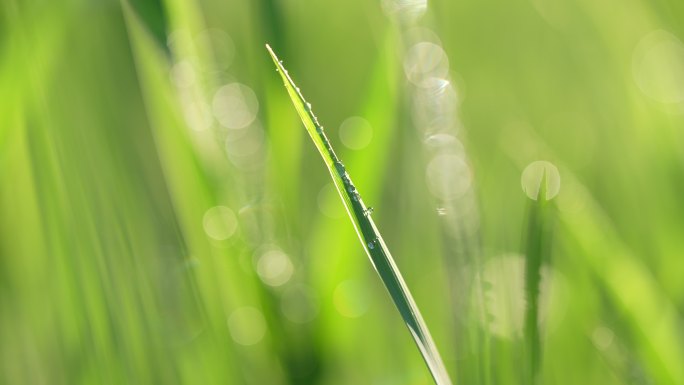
x=367, y=231
x=536, y=249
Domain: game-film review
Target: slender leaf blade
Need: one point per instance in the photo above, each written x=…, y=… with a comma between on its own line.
x=367, y=231
x=536, y=252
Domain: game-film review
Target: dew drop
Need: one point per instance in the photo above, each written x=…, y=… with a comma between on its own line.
x=220, y=223
x=448, y=176
x=183, y=74
x=356, y=133
x=404, y=10
x=602, y=337
x=246, y=147
x=247, y=325
x=532, y=177
x=235, y=106
x=424, y=61
x=274, y=268
x=340, y=168
x=658, y=67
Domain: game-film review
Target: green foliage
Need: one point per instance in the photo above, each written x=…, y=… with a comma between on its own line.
x=147, y=236
x=370, y=237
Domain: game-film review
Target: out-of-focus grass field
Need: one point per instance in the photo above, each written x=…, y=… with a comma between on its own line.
x=164, y=218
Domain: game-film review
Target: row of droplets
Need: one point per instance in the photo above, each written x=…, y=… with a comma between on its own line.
x=355, y=133
x=433, y=105
x=231, y=115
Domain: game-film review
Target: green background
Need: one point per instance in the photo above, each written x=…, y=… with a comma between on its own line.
x=114, y=268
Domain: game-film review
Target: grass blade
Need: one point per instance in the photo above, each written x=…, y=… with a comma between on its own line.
x=537, y=251
x=367, y=231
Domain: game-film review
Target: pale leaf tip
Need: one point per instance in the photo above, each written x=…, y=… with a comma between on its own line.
x=270, y=51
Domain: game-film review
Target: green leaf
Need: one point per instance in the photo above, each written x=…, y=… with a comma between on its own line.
x=536, y=252
x=368, y=233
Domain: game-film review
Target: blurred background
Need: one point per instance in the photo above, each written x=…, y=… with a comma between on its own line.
x=165, y=219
